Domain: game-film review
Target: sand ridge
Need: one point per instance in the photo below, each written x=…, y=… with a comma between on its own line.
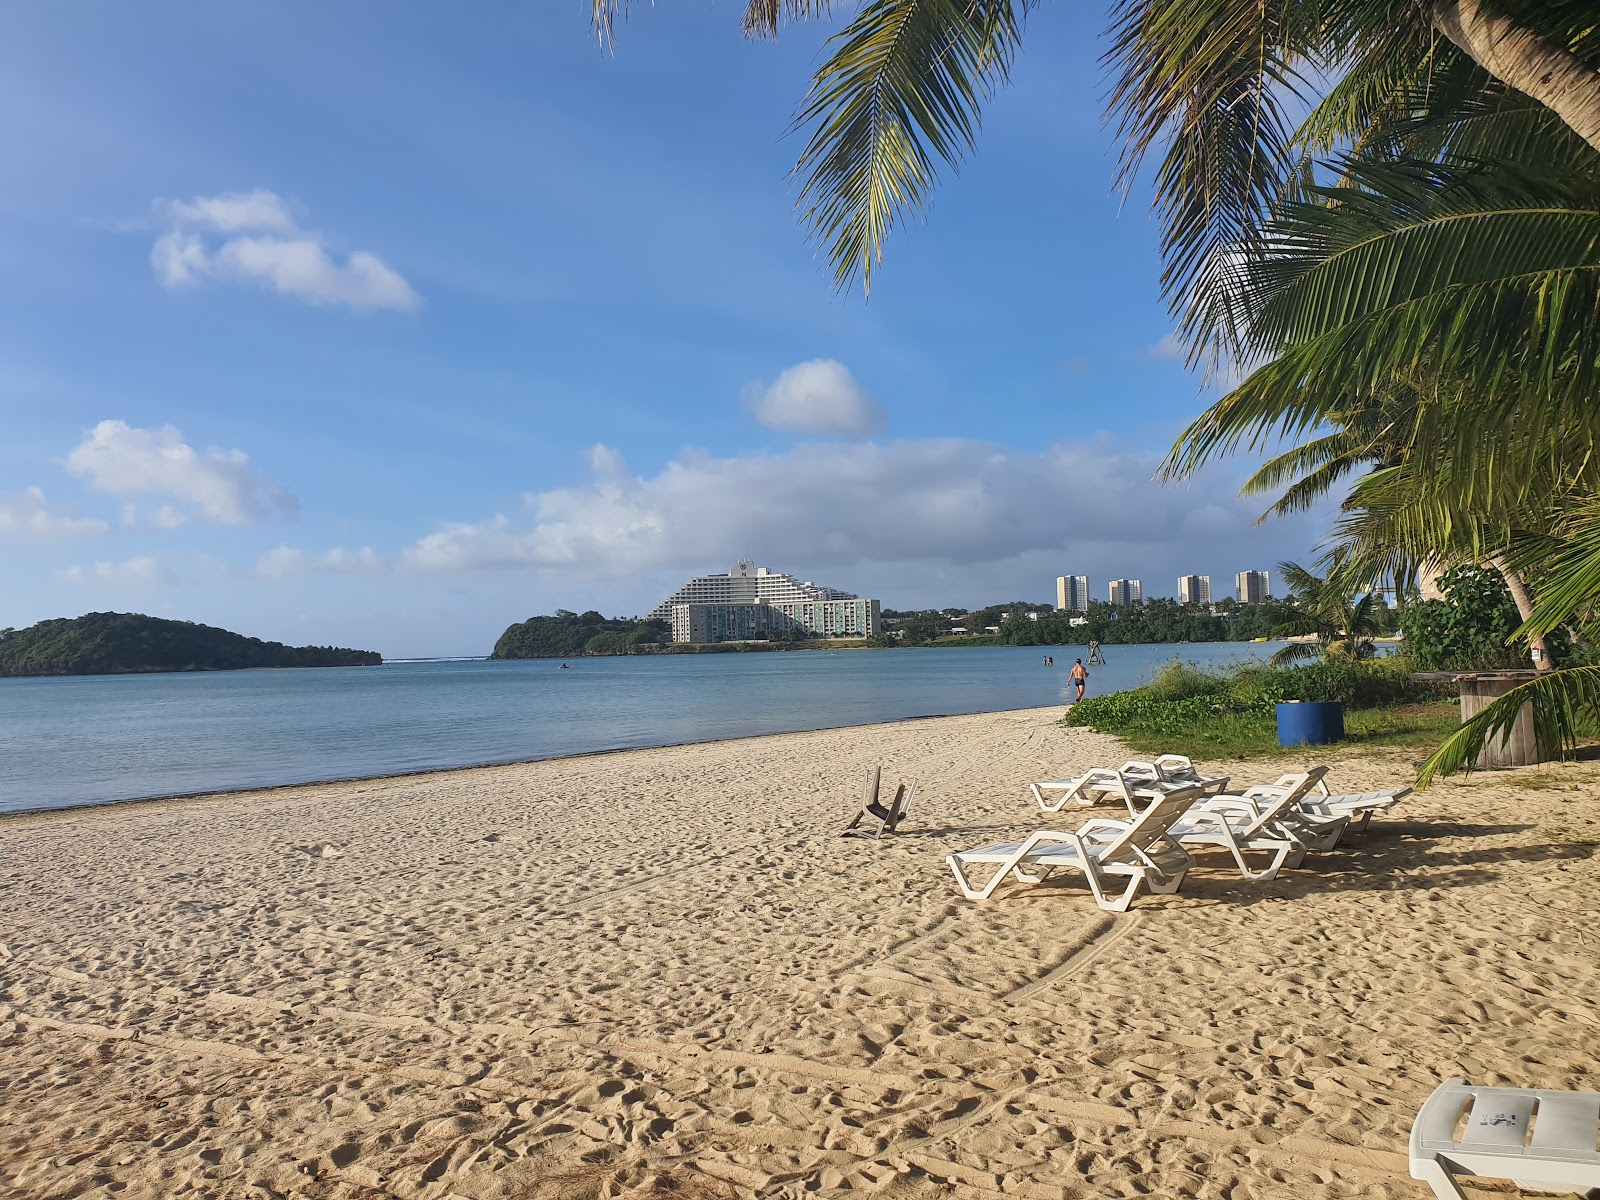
x=663, y=972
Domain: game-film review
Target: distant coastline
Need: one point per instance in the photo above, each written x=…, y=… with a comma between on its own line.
x=134, y=644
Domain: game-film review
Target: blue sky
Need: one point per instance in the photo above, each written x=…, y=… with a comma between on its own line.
x=388, y=325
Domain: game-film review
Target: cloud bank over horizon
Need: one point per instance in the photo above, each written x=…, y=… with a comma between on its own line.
x=898, y=520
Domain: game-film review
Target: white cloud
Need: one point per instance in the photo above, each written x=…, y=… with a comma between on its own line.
x=911, y=515
x=231, y=212
x=261, y=243
x=29, y=514
x=819, y=396
x=284, y=561
x=219, y=485
x=142, y=571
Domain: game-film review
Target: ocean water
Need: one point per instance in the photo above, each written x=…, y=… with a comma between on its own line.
x=91, y=739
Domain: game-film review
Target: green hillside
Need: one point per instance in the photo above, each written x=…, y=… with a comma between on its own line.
x=121, y=643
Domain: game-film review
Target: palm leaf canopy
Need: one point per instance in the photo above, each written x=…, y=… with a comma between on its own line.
x=900, y=92
x=1483, y=274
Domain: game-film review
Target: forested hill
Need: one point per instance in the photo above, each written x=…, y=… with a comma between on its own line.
x=569, y=634
x=121, y=643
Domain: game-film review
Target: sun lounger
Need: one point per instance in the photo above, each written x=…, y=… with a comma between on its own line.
x=1558, y=1156
x=1355, y=805
x=1134, y=778
x=1266, y=818
x=1102, y=848
x=1351, y=807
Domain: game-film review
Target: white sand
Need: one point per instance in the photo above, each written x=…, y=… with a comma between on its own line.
x=662, y=972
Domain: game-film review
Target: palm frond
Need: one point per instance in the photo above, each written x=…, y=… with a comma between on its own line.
x=1295, y=652
x=1217, y=82
x=900, y=92
x=1569, y=567
x=762, y=18
x=1562, y=702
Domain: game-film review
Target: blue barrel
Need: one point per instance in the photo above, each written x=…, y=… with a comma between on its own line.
x=1310, y=722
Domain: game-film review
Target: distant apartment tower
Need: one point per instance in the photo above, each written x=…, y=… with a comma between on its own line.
x=1125, y=591
x=1252, y=587
x=1072, y=593
x=1194, y=589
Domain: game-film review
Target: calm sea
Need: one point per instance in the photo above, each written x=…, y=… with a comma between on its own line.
x=90, y=739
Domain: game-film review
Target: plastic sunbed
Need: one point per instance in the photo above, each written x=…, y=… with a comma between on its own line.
x=1138, y=850
x=1135, y=778
x=1558, y=1155
x=1267, y=818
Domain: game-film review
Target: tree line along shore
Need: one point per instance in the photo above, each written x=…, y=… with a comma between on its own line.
x=1020, y=623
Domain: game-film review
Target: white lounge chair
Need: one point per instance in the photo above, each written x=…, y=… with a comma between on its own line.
x=1102, y=847
x=1266, y=818
x=1134, y=778
x=1180, y=768
x=1323, y=807
x=1355, y=805
x=1559, y=1156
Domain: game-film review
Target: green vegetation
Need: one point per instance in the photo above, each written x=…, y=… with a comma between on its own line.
x=571, y=635
x=1470, y=629
x=122, y=643
x=1150, y=622
x=1343, y=624
x=1233, y=713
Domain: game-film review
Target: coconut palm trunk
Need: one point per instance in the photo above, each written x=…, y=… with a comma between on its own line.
x=1518, y=588
x=1534, y=66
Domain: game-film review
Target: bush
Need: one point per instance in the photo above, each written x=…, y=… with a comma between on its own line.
x=1185, y=705
x=1468, y=629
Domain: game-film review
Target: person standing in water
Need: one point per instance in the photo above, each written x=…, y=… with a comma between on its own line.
x=1079, y=676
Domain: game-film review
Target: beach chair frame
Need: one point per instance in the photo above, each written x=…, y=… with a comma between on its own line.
x=1559, y=1156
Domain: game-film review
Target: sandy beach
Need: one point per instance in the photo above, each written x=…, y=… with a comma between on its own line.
x=662, y=972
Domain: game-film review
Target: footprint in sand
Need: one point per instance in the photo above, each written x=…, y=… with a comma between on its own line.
x=322, y=850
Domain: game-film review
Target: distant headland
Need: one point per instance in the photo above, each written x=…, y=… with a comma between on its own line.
x=129, y=643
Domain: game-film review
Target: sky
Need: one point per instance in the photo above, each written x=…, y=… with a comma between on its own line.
x=388, y=325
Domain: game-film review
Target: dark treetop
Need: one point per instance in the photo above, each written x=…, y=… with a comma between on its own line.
x=119, y=643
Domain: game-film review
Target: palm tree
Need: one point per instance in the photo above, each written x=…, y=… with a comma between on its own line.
x=903, y=85
x=1343, y=623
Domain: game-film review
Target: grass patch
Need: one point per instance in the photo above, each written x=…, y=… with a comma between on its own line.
x=1234, y=714
x=1414, y=726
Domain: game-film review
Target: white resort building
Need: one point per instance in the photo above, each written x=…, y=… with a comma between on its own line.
x=751, y=600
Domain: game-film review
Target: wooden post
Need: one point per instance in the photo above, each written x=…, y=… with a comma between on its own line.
x=1517, y=747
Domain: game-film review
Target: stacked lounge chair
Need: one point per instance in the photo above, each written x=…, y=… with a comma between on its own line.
x=1134, y=778
x=1268, y=818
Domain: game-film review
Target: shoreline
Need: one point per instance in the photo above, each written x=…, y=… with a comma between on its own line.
x=11, y=814
x=662, y=971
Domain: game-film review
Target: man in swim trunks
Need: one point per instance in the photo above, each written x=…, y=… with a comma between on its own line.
x=1079, y=676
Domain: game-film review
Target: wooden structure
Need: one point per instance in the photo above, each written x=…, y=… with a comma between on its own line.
x=1517, y=747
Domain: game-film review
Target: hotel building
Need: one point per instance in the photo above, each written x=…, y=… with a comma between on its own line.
x=1072, y=593
x=745, y=584
x=751, y=600
x=1125, y=591
x=1194, y=589
x=1252, y=587
x=740, y=622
